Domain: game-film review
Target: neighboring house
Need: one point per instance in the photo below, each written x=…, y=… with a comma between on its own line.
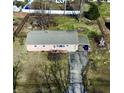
x=66, y=41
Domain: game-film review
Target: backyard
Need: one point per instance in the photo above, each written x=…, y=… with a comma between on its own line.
x=53, y=75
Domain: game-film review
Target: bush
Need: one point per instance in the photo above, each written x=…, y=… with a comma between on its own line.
x=93, y=12
x=92, y=34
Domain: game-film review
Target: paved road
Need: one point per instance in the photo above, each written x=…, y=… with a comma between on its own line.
x=59, y=12
x=77, y=61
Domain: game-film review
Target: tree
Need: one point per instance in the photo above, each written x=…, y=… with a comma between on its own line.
x=65, y=7
x=17, y=69
x=36, y=78
x=48, y=76
x=59, y=75
x=81, y=7
x=93, y=12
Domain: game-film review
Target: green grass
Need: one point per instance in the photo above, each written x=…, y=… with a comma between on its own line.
x=69, y=23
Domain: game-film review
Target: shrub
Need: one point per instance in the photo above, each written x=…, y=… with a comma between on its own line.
x=93, y=12
x=92, y=34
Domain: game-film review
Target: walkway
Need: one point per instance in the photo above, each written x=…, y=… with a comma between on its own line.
x=77, y=61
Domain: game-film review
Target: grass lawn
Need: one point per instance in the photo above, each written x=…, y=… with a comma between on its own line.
x=70, y=23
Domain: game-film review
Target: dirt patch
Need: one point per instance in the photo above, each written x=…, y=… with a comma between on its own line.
x=19, y=14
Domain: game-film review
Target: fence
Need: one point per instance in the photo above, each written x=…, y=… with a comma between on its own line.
x=20, y=26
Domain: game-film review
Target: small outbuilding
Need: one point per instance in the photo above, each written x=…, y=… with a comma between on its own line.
x=66, y=41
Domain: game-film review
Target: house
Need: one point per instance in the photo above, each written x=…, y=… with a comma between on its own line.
x=66, y=41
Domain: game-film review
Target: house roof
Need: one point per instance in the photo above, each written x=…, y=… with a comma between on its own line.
x=52, y=37
x=83, y=40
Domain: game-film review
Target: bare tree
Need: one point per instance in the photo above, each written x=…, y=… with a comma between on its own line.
x=17, y=69
x=81, y=7
x=48, y=77
x=65, y=7
x=59, y=75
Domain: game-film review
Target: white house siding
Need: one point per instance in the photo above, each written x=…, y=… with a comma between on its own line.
x=68, y=47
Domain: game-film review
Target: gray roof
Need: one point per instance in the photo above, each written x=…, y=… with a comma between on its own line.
x=52, y=37
x=83, y=40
